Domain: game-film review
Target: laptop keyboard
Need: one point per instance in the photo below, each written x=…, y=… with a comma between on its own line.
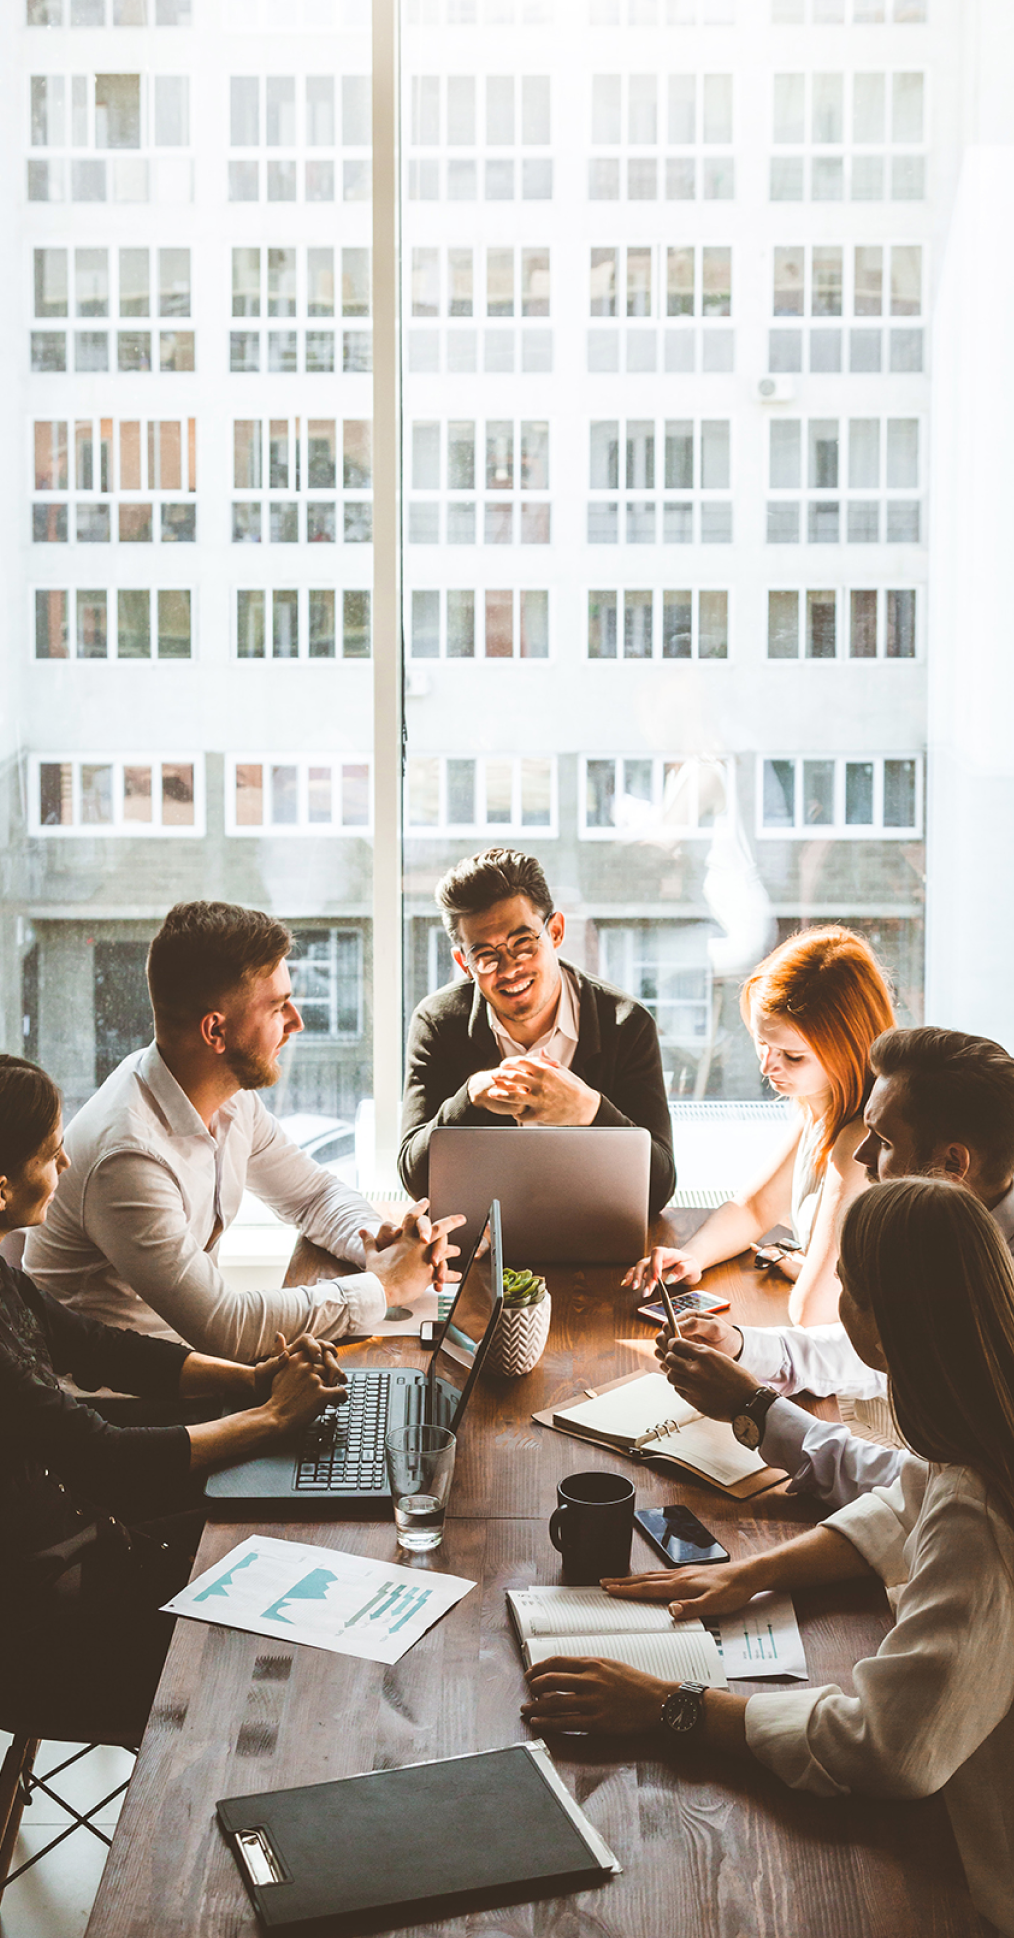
x=344, y=1446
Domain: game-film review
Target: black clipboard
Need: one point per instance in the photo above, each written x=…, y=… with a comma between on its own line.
x=428, y=1841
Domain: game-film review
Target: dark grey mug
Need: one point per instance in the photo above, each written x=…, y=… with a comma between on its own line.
x=593, y=1526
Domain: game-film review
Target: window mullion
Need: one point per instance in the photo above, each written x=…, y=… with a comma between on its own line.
x=387, y=668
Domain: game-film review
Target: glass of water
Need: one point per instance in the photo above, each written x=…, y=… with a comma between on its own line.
x=420, y=1464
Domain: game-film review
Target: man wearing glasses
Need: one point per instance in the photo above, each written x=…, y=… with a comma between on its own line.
x=525, y=1036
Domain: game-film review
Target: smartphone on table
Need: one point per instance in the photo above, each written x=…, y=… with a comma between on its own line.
x=688, y=1303
x=680, y=1538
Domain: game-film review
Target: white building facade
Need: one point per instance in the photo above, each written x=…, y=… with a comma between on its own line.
x=677, y=604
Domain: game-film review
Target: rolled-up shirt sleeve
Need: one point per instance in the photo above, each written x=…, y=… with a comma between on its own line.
x=809, y=1359
x=823, y=1458
x=135, y=1212
x=942, y=1680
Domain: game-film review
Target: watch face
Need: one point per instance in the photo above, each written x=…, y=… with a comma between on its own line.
x=746, y=1430
x=681, y=1710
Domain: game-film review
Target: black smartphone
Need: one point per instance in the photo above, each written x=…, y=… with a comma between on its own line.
x=681, y=1539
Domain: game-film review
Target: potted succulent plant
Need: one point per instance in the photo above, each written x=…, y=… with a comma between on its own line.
x=520, y=1338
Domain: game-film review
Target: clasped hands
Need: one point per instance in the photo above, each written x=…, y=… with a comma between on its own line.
x=410, y=1257
x=298, y=1379
x=534, y=1090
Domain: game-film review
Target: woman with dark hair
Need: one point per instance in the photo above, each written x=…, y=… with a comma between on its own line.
x=83, y=1576
x=813, y=1008
x=934, y=1709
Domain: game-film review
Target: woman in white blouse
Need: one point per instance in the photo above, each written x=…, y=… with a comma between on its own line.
x=928, y=1296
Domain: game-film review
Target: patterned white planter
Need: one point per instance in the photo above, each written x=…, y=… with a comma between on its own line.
x=520, y=1338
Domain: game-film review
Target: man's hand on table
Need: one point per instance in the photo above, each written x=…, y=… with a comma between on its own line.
x=662, y=1262
x=581, y=1692
x=716, y=1385
x=534, y=1090
x=411, y=1257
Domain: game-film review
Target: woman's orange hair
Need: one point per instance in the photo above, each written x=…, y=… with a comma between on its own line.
x=829, y=985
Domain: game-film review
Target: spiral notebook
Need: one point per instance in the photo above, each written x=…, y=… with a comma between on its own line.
x=642, y=1416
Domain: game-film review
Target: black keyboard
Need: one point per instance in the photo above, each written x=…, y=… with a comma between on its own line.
x=344, y=1446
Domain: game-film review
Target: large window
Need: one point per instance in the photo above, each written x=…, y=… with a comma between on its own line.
x=678, y=566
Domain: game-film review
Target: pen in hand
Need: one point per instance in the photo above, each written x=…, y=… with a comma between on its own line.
x=670, y=1309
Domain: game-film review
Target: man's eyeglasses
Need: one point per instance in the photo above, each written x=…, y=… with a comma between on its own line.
x=521, y=948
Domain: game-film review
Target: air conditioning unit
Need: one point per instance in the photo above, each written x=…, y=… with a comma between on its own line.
x=775, y=390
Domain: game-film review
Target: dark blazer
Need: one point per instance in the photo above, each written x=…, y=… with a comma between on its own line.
x=449, y=1038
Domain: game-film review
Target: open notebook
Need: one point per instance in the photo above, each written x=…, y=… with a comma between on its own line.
x=587, y=1621
x=643, y=1416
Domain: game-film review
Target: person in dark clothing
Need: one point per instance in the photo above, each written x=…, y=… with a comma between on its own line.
x=527, y=1038
x=99, y=1522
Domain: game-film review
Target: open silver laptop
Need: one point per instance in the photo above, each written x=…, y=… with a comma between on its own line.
x=567, y=1193
x=338, y=1458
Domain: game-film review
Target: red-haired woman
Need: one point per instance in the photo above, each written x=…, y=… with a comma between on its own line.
x=813, y=1008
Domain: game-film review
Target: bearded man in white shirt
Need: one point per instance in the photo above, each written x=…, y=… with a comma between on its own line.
x=942, y=1105
x=161, y=1155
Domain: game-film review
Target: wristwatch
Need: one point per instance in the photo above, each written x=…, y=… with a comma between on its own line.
x=748, y=1423
x=683, y=1708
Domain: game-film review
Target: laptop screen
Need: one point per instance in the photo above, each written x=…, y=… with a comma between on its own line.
x=462, y=1344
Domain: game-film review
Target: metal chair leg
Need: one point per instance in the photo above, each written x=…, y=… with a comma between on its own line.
x=15, y=1779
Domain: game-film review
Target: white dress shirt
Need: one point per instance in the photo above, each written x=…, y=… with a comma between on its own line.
x=824, y=1458
x=933, y=1708
x=561, y=1038
x=133, y=1233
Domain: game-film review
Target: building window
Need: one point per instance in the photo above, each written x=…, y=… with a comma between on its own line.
x=854, y=798
x=109, y=13
x=497, y=128
x=327, y=983
x=636, y=795
x=505, y=459
x=849, y=622
x=853, y=13
x=676, y=285
x=110, y=137
x=300, y=138
x=306, y=794
x=848, y=137
x=876, y=288
x=88, y=472
x=120, y=623
x=665, y=966
x=684, y=456
x=316, y=476
x=860, y=477
x=505, y=793
x=685, y=623
x=315, y=622
x=131, y=288
x=504, y=624
x=104, y=794
x=507, y=288
x=302, y=293
x=661, y=137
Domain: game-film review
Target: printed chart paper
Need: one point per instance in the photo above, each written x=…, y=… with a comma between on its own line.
x=323, y=1597
x=761, y=1640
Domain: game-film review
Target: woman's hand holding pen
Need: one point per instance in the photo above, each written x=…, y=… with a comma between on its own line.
x=716, y=1385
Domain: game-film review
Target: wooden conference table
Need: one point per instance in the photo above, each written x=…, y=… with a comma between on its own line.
x=710, y=1847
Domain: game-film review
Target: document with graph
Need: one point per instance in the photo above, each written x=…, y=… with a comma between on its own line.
x=323, y=1597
